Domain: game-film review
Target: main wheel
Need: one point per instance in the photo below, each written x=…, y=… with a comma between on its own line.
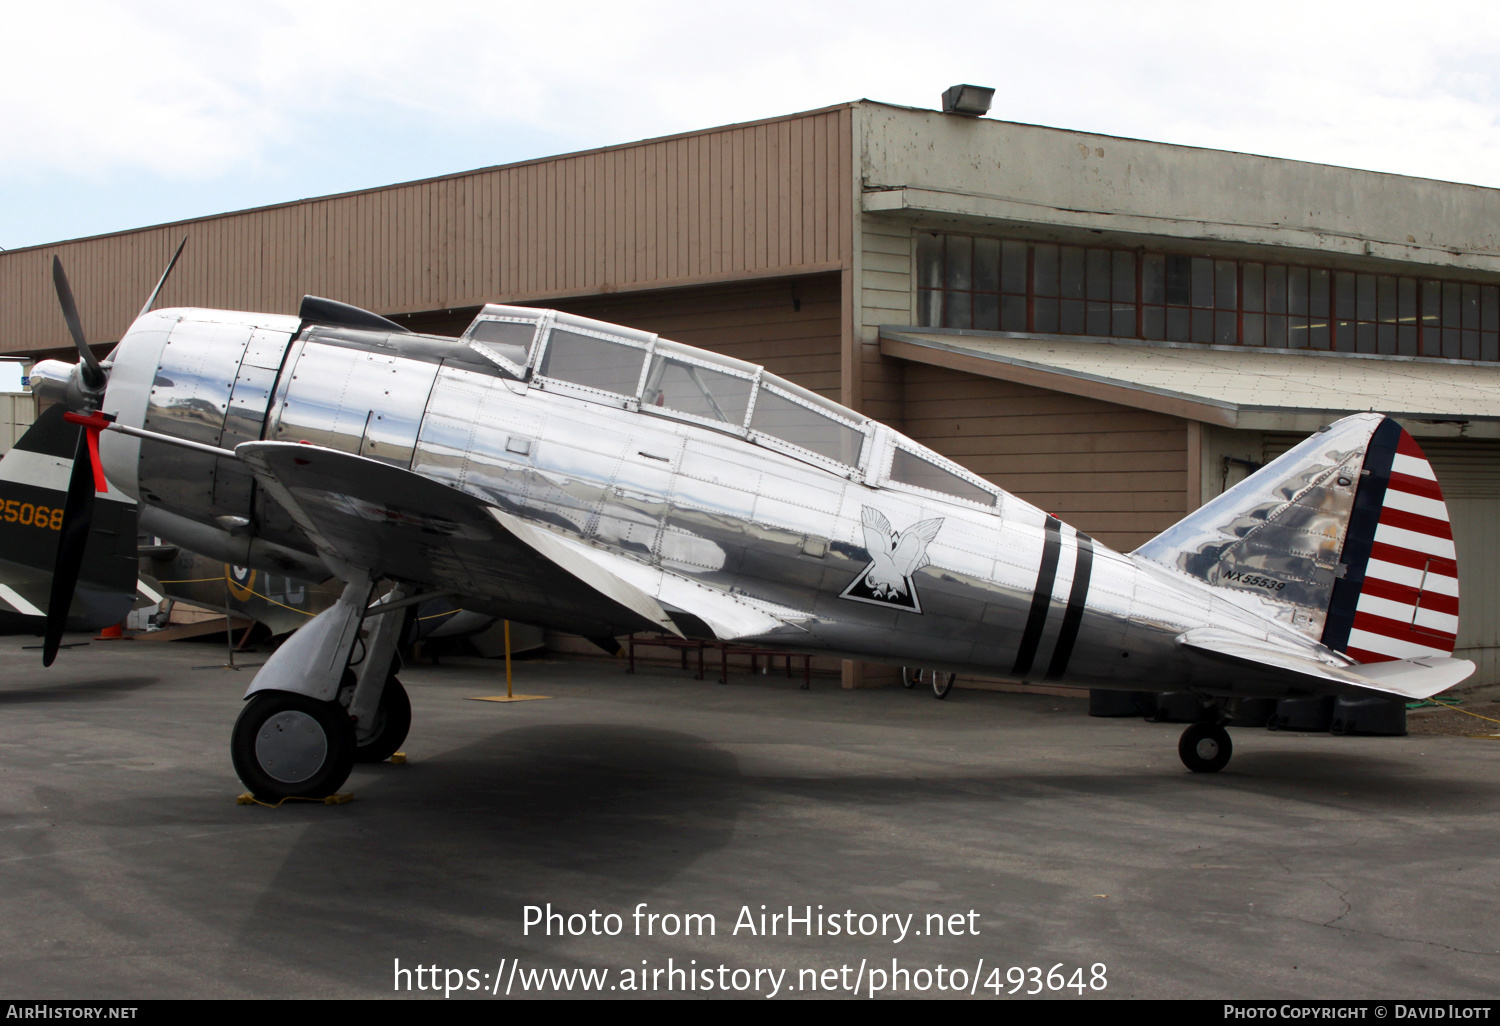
x=291, y=746
x=1205, y=748
x=392, y=721
x=942, y=683
x=911, y=676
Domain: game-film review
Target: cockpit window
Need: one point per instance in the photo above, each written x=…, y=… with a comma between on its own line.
x=510, y=339
x=910, y=469
x=699, y=384
x=799, y=420
x=606, y=365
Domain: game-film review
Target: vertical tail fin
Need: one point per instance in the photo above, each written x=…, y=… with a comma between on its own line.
x=1345, y=538
x=1398, y=598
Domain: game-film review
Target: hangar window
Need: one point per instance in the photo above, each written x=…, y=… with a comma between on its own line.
x=1011, y=285
x=908, y=468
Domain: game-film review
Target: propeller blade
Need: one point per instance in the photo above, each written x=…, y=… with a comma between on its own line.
x=93, y=373
x=163, y=279
x=78, y=518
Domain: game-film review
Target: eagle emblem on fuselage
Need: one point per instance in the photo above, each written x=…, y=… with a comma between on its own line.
x=894, y=557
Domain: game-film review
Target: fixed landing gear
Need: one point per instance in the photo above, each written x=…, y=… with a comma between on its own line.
x=391, y=722
x=287, y=745
x=1205, y=747
x=941, y=680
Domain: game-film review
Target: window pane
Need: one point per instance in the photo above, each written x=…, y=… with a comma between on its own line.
x=1317, y=335
x=1296, y=290
x=1276, y=331
x=1470, y=345
x=1317, y=292
x=1471, y=306
x=1365, y=341
x=1226, y=289
x=1012, y=313
x=1045, y=312
x=1385, y=308
x=1406, y=305
x=1178, y=324
x=1203, y=282
x=1452, y=304
x=929, y=307
x=593, y=362
x=1386, y=335
x=1203, y=326
x=1364, y=298
x=1124, y=277
x=510, y=339
x=1489, y=298
x=1072, y=272
x=1122, y=321
x=1013, y=267
x=1276, y=289
x=1255, y=330
x=929, y=261
x=957, y=310
x=1344, y=340
x=1179, y=280
x=1153, y=322
x=1253, y=282
x=792, y=422
x=1098, y=318
x=706, y=393
x=986, y=311
x=1432, y=303
x=1046, y=270
x=1296, y=332
x=1225, y=328
x=1072, y=322
x=1343, y=295
x=1099, y=264
x=910, y=469
x=1406, y=340
x=986, y=265
x=1489, y=346
x=1452, y=343
x=1153, y=278
x=960, y=262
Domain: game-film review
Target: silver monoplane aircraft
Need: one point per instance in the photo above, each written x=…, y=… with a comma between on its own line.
x=596, y=479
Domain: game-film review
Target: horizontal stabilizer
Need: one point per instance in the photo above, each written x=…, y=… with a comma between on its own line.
x=1421, y=677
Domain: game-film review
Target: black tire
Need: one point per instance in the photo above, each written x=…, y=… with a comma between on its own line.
x=1205, y=748
x=392, y=721
x=286, y=745
x=910, y=676
x=942, y=683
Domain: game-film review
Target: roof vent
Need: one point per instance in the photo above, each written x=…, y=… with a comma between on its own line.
x=969, y=100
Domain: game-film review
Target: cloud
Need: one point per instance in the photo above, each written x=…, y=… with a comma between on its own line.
x=191, y=91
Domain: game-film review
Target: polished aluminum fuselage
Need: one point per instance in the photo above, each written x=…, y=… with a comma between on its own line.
x=708, y=504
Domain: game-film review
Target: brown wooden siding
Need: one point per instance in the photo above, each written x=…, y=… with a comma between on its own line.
x=1116, y=473
x=745, y=201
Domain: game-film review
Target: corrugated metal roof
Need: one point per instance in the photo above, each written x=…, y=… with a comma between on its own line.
x=1259, y=389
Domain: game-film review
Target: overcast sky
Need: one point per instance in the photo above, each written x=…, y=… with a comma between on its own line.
x=115, y=115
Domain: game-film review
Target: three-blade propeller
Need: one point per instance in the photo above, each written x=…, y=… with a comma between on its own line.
x=88, y=475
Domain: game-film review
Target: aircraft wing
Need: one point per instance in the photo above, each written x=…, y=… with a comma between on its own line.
x=390, y=521
x=1422, y=677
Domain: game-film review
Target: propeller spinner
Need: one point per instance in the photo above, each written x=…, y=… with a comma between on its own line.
x=85, y=384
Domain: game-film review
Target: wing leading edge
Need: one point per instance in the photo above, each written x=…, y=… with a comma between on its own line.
x=393, y=522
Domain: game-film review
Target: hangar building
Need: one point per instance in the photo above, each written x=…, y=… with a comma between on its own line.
x=1112, y=329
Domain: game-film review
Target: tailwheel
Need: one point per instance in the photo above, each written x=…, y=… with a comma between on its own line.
x=287, y=745
x=392, y=721
x=1205, y=748
x=942, y=683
